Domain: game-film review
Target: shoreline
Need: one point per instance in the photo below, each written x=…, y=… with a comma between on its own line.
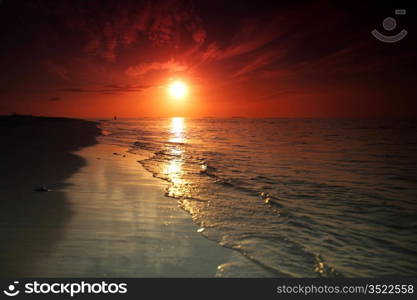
x=133, y=230
x=36, y=152
x=104, y=216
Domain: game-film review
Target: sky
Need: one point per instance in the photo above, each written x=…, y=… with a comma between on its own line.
x=92, y=59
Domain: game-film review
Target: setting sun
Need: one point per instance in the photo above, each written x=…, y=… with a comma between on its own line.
x=178, y=90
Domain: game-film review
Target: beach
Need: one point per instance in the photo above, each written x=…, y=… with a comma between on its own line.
x=102, y=215
x=36, y=152
x=177, y=197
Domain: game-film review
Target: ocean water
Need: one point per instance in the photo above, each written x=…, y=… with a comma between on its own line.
x=299, y=197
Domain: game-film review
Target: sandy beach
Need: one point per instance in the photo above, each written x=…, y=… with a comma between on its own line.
x=36, y=152
x=76, y=202
x=103, y=216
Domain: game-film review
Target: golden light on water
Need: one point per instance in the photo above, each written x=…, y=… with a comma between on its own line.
x=178, y=90
x=174, y=169
x=175, y=173
x=177, y=128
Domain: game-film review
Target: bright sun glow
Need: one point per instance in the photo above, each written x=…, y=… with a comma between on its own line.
x=178, y=90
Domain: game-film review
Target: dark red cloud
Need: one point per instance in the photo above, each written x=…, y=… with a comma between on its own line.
x=261, y=52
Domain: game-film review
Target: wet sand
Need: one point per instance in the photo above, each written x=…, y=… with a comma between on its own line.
x=105, y=216
x=36, y=152
x=122, y=225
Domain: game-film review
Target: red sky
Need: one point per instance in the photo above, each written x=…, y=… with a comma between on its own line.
x=255, y=58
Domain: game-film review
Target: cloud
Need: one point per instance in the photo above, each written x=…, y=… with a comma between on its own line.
x=258, y=62
x=54, y=99
x=138, y=24
x=108, y=89
x=56, y=69
x=199, y=36
x=171, y=66
x=252, y=35
x=247, y=47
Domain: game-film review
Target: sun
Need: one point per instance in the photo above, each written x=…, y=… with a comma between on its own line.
x=178, y=90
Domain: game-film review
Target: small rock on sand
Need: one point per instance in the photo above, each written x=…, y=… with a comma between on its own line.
x=42, y=189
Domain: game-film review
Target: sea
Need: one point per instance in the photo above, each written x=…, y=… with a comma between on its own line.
x=298, y=197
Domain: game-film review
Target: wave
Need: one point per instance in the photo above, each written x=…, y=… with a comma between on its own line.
x=320, y=206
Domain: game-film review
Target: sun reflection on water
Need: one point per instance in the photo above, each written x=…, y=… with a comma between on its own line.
x=174, y=169
x=177, y=130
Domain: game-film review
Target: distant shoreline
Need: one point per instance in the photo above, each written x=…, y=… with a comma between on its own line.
x=17, y=119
